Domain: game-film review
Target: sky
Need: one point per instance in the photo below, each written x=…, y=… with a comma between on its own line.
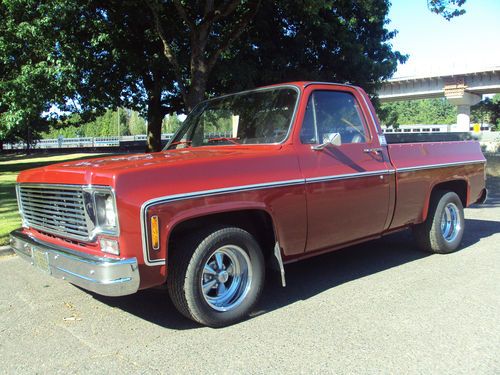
x=435, y=46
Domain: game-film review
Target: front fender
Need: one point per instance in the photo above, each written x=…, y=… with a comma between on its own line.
x=285, y=205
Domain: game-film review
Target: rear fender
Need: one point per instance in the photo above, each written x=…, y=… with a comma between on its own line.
x=459, y=186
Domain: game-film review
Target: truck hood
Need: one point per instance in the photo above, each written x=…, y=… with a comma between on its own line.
x=105, y=170
x=189, y=169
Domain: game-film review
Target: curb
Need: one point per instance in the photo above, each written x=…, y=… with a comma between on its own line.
x=5, y=251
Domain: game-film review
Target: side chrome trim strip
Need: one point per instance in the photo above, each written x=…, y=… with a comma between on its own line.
x=204, y=193
x=442, y=165
x=348, y=176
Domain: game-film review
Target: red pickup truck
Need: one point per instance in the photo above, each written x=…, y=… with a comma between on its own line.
x=268, y=176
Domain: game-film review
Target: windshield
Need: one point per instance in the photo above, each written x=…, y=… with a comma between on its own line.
x=254, y=117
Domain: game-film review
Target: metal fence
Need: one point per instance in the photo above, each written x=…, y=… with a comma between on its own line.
x=82, y=142
x=438, y=128
x=96, y=142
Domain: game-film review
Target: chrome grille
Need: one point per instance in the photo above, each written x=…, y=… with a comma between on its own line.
x=56, y=209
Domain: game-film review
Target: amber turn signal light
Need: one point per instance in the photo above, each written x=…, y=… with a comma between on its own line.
x=155, y=232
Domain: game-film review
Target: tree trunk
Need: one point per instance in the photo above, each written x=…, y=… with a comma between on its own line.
x=155, y=118
x=199, y=73
x=196, y=91
x=27, y=140
x=154, y=131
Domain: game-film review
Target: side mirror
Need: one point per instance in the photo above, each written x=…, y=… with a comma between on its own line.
x=330, y=139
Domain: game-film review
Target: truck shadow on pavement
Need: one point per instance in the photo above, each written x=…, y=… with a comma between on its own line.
x=313, y=276
x=305, y=279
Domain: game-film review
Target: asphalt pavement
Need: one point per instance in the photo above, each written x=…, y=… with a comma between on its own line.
x=380, y=307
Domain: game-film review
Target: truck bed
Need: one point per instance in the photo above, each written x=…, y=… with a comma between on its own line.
x=420, y=167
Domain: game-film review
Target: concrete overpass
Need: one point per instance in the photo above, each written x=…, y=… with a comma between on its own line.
x=461, y=89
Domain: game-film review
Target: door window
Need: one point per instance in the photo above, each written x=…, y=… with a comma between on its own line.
x=330, y=112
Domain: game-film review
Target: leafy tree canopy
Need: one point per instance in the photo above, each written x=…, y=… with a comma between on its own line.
x=487, y=111
x=426, y=111
x=111, y=123
x=165, y=56
x=447, y=8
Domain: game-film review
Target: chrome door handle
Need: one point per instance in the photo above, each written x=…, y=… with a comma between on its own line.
x=375, y=150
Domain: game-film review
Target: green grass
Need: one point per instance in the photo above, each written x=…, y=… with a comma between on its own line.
x=10, y=166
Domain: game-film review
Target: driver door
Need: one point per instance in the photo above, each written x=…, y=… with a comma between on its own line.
x=347, y=186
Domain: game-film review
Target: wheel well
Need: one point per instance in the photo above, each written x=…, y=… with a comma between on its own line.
x=257, y=222
x=457, y=186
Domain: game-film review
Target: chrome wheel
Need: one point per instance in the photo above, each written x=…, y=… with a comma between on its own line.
x=226, y=278
x=450, y=222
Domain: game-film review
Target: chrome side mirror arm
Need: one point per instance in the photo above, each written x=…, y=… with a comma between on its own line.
x=333, y=140
x=321, y=147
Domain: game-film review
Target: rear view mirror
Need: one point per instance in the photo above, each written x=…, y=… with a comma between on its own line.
x=329, y=139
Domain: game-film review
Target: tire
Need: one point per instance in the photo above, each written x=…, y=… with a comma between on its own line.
x=233, y=280
x=443, y=229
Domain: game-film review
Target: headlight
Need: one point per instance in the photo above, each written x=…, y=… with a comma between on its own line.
x=105, y=210
x=101, y=210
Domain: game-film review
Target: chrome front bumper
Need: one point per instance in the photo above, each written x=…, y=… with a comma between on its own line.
x=109, y=277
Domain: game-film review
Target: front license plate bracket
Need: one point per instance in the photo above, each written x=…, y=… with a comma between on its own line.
x=40, y=259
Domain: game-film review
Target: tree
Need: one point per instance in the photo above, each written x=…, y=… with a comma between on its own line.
x=447, y=8
x=105, y=54
x=487, y=111
x=426, y=111
x=207, y=30
x=83, y=56
x=164, y=56
x=27, y=82
x=287, y=40
x=388, y=116
x=136, y=124
x=112, y=123
x=171, y=123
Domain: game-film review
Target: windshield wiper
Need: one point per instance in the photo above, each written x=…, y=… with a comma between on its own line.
x=228, y=139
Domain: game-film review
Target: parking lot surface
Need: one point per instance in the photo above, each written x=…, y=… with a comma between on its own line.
x=379, y=307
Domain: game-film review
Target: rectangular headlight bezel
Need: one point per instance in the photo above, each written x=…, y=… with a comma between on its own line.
x=92, y=211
